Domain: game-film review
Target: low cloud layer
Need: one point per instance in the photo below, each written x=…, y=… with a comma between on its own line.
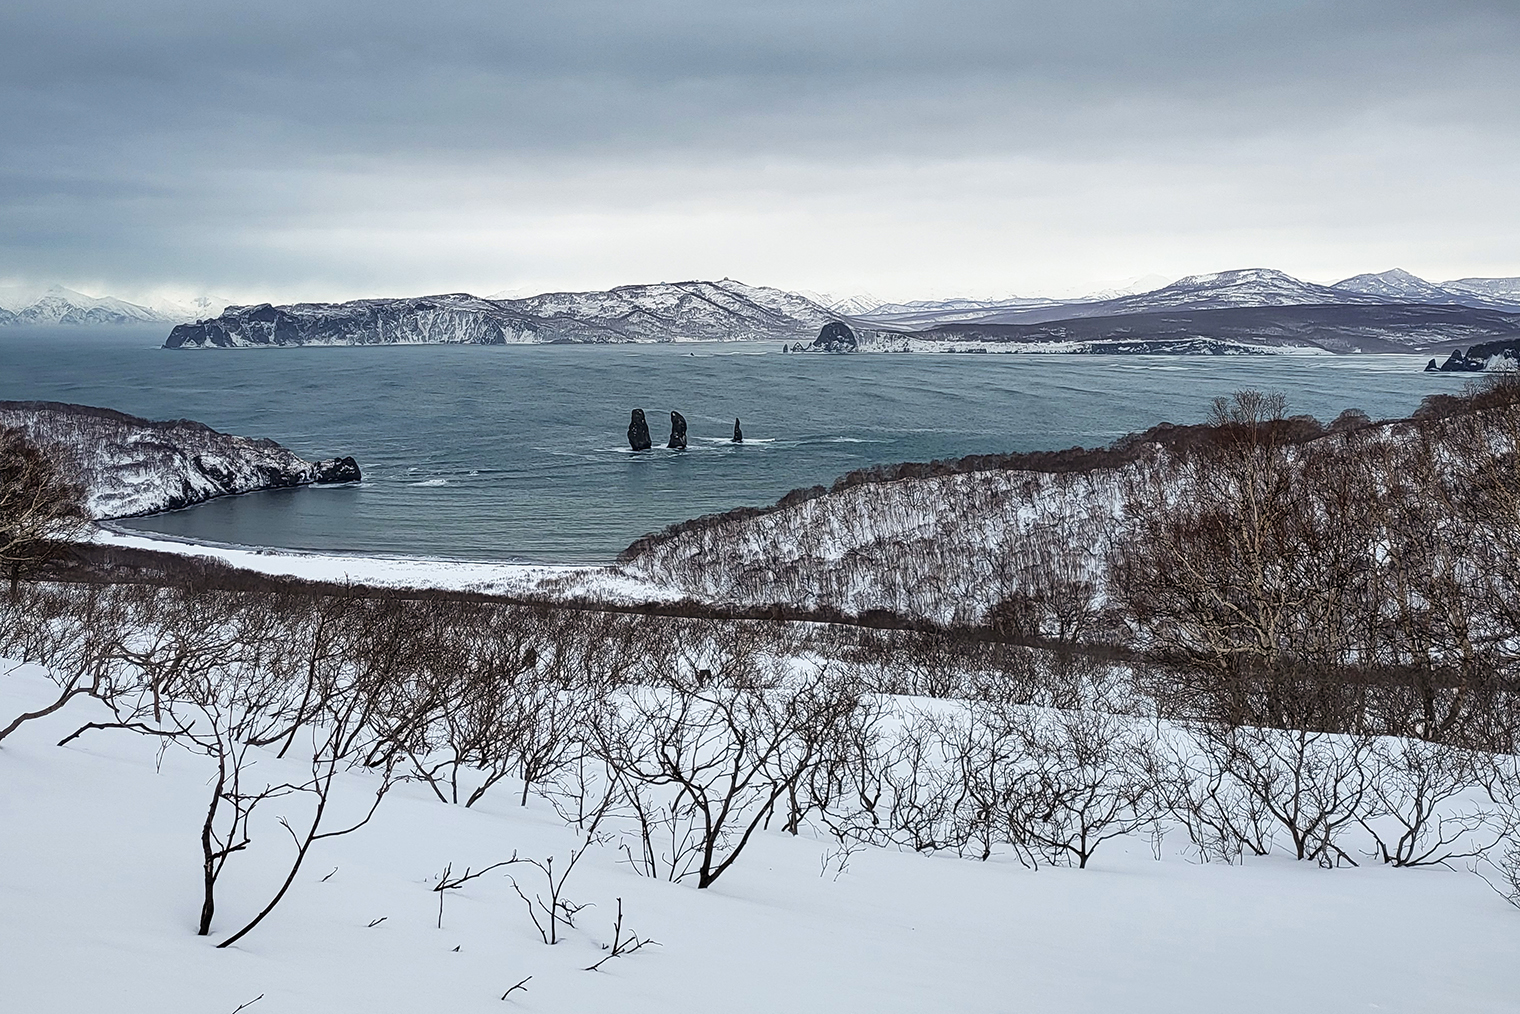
x=292, y=150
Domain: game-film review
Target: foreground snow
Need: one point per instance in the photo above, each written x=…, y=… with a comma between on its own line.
x=101, y=890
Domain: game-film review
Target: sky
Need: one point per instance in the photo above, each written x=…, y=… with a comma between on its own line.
x=296, y=150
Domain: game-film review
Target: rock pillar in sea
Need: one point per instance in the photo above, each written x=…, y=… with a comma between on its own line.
x=836, y=336
x=677, y=431
x=638, y=431
x=738, y=433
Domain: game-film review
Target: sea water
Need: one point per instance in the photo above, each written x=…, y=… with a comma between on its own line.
x=520, y=452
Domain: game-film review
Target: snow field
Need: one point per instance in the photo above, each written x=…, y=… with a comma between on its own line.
x=102, y=885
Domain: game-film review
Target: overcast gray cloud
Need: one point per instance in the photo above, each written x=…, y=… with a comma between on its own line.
x=323, y=150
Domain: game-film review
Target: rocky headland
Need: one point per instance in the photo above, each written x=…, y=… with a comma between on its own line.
x=130, y=466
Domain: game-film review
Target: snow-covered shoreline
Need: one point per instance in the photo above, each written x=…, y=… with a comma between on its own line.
x=587, y=581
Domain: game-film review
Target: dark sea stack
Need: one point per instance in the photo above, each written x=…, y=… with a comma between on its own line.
x=677, y=431
x=1432, y=367
x=1462, y=362
x=836, y=336
x=335, y=470
x=638, y=431
x=738, y=433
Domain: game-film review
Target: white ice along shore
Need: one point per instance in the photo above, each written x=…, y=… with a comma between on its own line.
x=130, y=466
x=563, y=582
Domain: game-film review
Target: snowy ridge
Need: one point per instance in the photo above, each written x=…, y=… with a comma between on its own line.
x=130, y=466
x=683, y=311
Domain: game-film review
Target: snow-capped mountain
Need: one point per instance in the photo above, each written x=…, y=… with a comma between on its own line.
x=1246, y=310
x=130, y=466
x=1246, y=287
x=1398, y=285
x=58, y=305
x=1395, y=284
x=1499, y=290
x=856, y=306
x=1222, y=289
x=681, y=311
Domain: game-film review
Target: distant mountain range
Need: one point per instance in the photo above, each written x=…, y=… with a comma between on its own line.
x=1241, y=311
x=60, y=306
x=1248, y=310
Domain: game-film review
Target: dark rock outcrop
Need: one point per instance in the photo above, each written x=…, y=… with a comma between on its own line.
x=836, y=336
x=335, y=470
x=638, y=431
x=677, y=431
x=738, y=433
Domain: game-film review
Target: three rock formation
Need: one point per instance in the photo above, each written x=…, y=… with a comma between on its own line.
x=638, y=432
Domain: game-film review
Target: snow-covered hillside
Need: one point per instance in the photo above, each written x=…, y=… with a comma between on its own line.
x=681, y=311
x=948, y=547
x=130, y=466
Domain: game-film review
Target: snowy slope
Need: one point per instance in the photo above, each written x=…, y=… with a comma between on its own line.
x=102, y=873
x=131, y=466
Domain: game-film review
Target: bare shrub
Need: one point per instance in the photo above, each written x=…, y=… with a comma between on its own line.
x=1312, y=785
x=702, y=767
x=1092, y=779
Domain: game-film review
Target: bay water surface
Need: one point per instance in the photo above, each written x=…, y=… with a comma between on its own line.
x=520, y=452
